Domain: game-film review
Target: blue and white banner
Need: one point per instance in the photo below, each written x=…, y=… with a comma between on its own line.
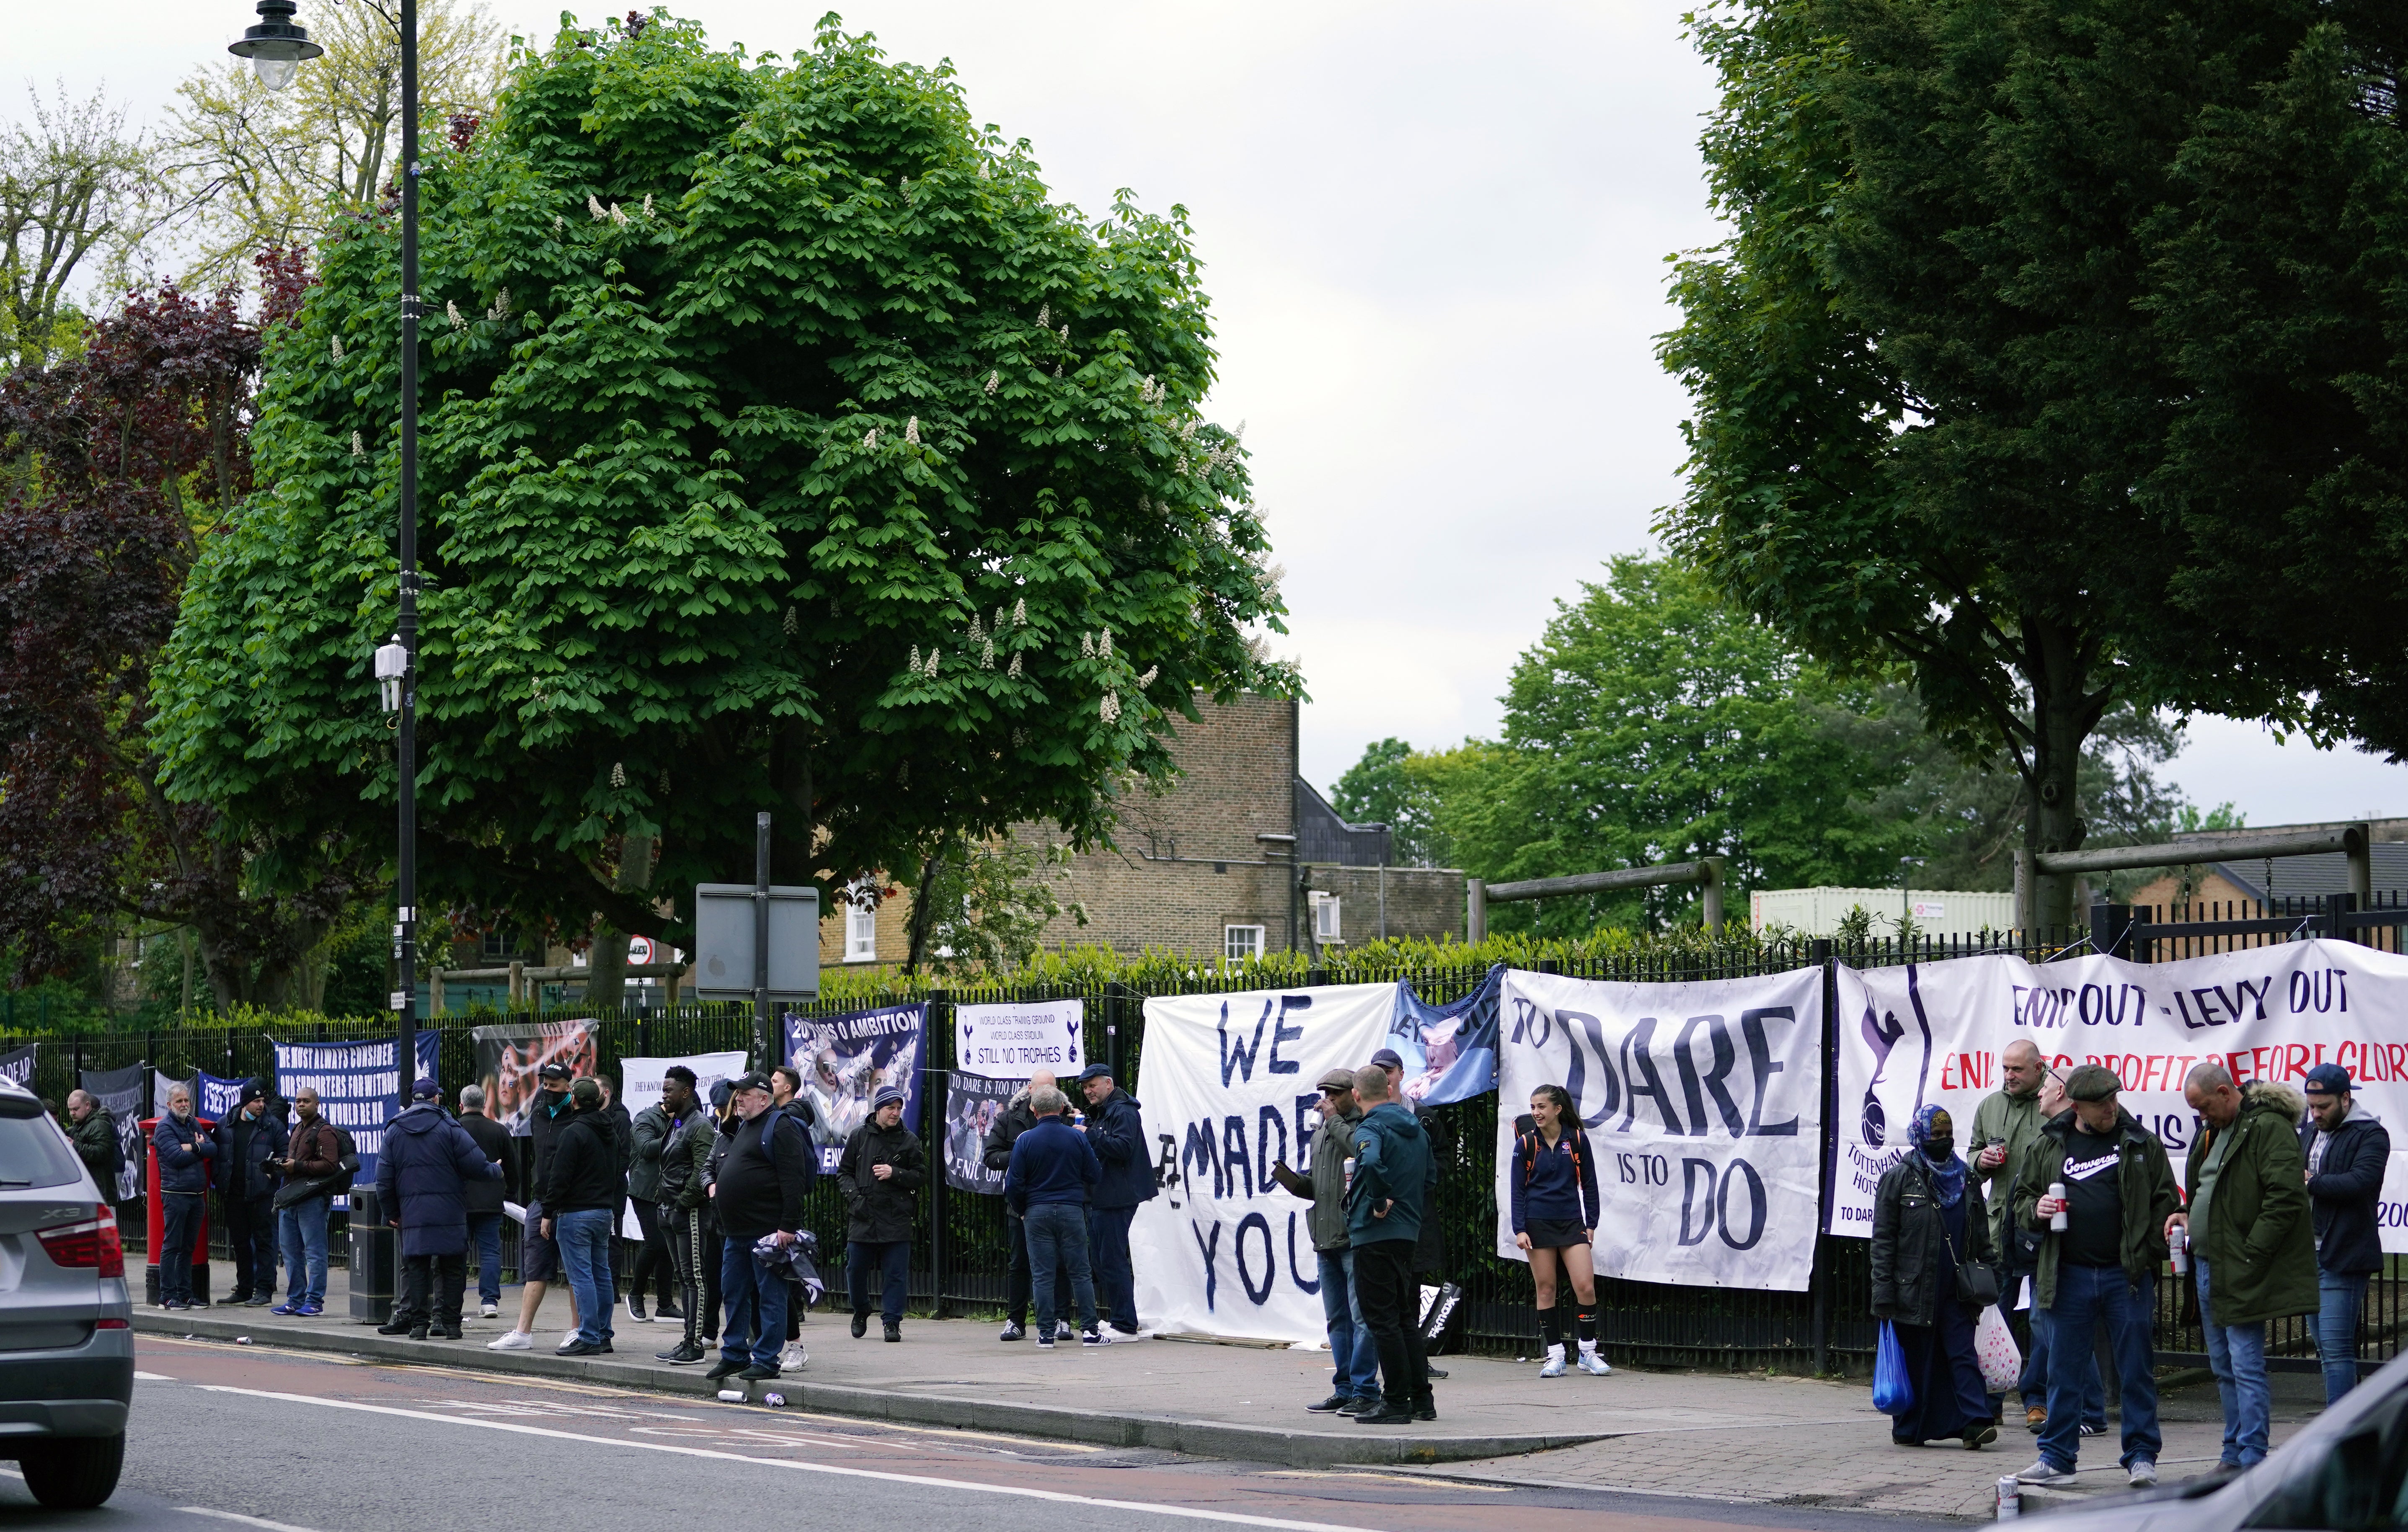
x=1450, y=1050
x=1231, y=1089
x=356, y=1083
x=213, y=1096
x=847, y=1059
x=1014, y=1041
x=1703, y=1105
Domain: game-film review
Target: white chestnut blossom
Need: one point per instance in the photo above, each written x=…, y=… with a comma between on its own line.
x=648, y=205
x=451, y=312
x=994, y=379
x=1112, y=708
x=869, y=441
x=617, y=216
x=913, y=665
x=1045, y=317
x=1015, y=671
x=794, y=622
x=618, y=773
x=931, y=671
x=1020, y=613
x=1147, y=679
x=977, y=632
x=911, y=432
x=338, y=348
x=593, y=205
x=986, y=654
x=501, y=310
x=1087, y=646
x=1105, y=647
x=359, y=448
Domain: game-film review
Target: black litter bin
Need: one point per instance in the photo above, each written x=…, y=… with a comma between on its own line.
x=375, y=1258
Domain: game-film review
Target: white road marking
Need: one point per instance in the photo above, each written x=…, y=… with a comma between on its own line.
x=237, y=1516
x=152, y=1377
x=925, y=1480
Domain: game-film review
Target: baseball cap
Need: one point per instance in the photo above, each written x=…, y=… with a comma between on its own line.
x=2092, y=1082
x=1096, y=1071
x=427, y=1089
x=556, y=1071
x=2327, y=1080
x=751, y=1079
x=1338, y=1080
x=1388, y=1058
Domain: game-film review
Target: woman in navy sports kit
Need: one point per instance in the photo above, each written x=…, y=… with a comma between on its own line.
x=1555, y=1219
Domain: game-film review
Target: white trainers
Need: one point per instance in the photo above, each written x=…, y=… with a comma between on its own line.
x=2142, y=1474
x=1555, y=1367
x=793, y=1358
x=2043, y=1472
x=1065, y=1330
x=1592, y=1364
x=491, y=1311
x=512, y=1341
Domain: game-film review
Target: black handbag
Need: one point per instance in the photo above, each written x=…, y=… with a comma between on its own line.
x=1977, y=1283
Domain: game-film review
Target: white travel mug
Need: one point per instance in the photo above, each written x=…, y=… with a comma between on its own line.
x=2057, y=1190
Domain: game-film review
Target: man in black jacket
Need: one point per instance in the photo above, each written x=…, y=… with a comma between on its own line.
x=684, y=1202
x=764, y=1172
x=582, y=1192
x=248, y=1140
x=2347, y=1152
x=539, y=1258
x=485, y=1197
x=882, y=1165
x=1018, y=1117
x=1116, y=1128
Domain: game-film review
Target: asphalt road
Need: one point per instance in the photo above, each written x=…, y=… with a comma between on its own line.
x=226, y=1437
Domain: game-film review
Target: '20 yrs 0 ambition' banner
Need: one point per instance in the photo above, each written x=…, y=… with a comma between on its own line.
x=1932, y=1032
x=1231, y=1089
x=1704, y=1106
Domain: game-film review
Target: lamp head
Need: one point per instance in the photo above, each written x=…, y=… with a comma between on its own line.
x=276, y=45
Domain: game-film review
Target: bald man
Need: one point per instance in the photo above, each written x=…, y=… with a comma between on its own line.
x=2005, y=1125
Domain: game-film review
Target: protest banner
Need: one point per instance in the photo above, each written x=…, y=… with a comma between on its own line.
x=1450, y=1050
x=120, y=1094
x=356, y=1084
x=1222, y=1249
x=972, y=1104
x=1014, y=1041
x=17, y=1066
x=213, y=1096
x=1932, y=1032
x=1704, y=1106
x=508, y=1058
x=639, y=1091
x=846, y=1059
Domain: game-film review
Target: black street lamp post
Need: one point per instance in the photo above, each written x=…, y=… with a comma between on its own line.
x=276, y=48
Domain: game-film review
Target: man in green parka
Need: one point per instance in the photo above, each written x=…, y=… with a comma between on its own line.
x=2252, y=1237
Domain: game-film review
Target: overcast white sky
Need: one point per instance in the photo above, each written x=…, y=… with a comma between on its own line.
x=1434, y=238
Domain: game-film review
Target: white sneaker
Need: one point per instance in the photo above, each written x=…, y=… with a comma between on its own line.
x=2143, y=1473
x=1065, y=1330
x=1594, y=1365
x=491, y=1311
x=512, y=1341
x=2043, y=1472
x=794, y=1357
x=1555, y=1367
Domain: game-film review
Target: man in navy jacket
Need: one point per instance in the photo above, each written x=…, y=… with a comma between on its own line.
x=421, y=1177
x=2347, y=1150
x=1052, y=1171
x=1117, y=1131
x=184, y=1149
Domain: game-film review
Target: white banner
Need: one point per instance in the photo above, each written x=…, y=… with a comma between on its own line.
x=1932, y=1032
x=1013, y=1041
x=639, y=1091
x=1704, y=1104
x=1231, y=1089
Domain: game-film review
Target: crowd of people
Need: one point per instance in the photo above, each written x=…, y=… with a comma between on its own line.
x=2066, y=1211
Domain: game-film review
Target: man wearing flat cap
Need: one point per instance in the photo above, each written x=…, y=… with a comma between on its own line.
x=1354, y=1357
x=1116, y=1128
x=2116, y=1187
x=2347, y=1150
x=881, y=1167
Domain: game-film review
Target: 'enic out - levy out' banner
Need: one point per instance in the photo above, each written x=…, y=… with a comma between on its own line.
x=1704, y=1106
x=1229, y=1090
x=1932, y=1032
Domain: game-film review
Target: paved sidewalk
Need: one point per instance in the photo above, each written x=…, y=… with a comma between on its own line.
x=1751, y=1438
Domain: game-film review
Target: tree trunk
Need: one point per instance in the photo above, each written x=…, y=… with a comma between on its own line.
x=2063, y=715
x=924, y=911
x=606, y=962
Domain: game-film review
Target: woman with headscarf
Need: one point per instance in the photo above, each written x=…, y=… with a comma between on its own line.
x=1924, y=1222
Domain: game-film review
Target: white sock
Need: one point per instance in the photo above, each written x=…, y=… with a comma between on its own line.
x=1588, y=1347
x=1556, y=1351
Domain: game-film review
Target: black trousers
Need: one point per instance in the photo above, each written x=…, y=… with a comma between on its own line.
x=448, y=1275
x=1391, y=1297
x=251, y=1234
x=694, y=1242
x=653, y=1258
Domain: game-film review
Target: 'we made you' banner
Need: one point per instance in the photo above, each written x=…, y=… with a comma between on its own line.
x=1932, y=1032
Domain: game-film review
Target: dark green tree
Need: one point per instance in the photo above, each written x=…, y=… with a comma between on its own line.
x=785, y=448
x=1387, y=787
x=1933, y=389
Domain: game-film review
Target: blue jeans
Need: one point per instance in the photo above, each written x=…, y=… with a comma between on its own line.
x=179, y=1229
x=584, y=1240
x=1108, y=1246
x=2237, y=1355
x=1354, y=1357
x=302, y=1229
x=2341, y=1296
x=892, y=1260
x=2088, y=1296
x=485, y=1233
x=1057, y=1242
x=2034, y=1382
x=755, y=1307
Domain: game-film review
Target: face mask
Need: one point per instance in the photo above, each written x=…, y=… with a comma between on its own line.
x=1939, y=1149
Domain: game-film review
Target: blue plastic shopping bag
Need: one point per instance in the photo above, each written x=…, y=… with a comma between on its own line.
x=1893, y=1390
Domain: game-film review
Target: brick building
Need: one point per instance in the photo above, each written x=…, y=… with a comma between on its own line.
x=1241, y=858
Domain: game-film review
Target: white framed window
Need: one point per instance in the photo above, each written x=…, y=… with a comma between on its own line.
x=860, y=927
x=1241, y=941
x=1325, y=918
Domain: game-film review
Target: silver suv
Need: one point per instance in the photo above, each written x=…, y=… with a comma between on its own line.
x=66, y=1342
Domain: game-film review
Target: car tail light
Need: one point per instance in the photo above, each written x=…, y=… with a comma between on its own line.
x=111, y=1325
x=93, y=1242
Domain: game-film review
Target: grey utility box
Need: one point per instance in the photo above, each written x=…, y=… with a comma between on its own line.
x=722, y=942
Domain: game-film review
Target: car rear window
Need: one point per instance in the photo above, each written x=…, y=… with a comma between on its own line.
x=32, y=1154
